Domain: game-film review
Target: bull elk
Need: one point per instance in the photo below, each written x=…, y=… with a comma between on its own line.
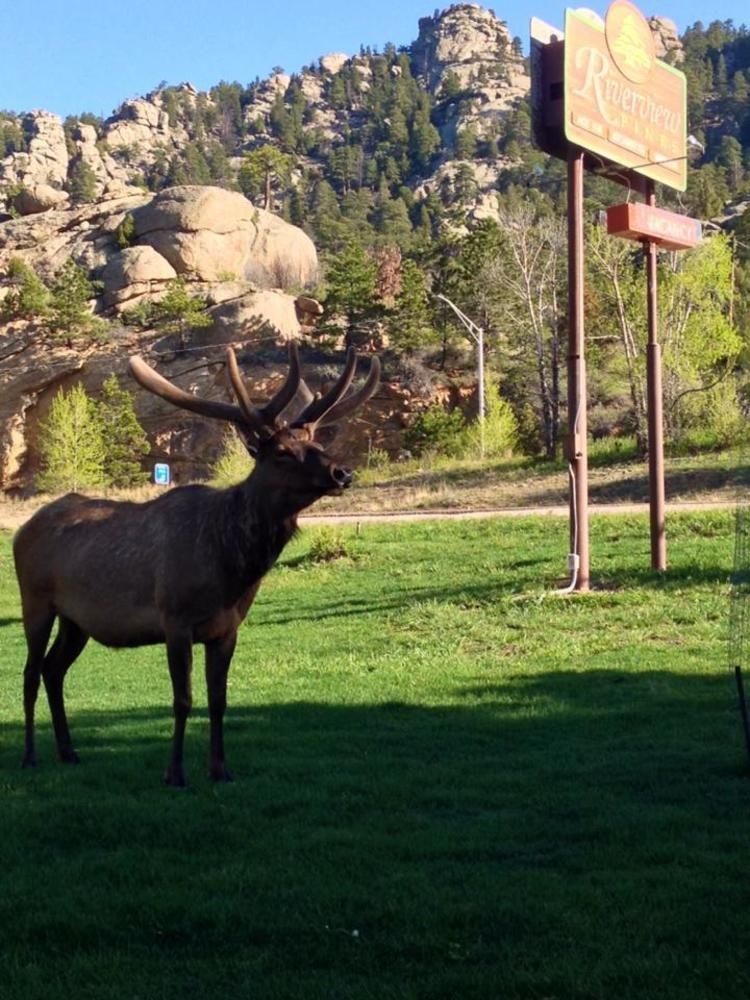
x=183, y=568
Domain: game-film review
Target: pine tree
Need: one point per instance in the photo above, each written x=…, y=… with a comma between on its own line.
x=260, y=171
x=466, y=143
x=72, y=444
x=125, y=440
x=69, y=314
x=180, y=312
x=82, y=182
x=409, y=325
x=28, y=296
x=352, y=285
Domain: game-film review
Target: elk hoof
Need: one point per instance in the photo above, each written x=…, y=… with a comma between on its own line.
x=175, y=777
x=220, y=772
x=69, y=756
x=29, y=760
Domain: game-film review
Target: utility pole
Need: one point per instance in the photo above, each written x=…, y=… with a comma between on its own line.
x=477, y=333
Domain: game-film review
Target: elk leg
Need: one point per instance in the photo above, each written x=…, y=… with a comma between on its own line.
x=37, y=626
x=66, y=648
x=180, y=659
x=218, y=658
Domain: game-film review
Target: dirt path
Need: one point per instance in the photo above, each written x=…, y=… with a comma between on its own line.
x=14, y=513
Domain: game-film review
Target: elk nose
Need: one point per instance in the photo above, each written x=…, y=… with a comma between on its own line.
x=341, y=475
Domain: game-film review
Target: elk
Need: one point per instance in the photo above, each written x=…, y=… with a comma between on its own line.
x=185, y=567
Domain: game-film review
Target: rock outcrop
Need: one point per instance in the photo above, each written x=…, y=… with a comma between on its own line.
x=462, y=40
x=212, y=234
x=133, y=274
x=667, y=40
x=38, y=198
x=46, y=159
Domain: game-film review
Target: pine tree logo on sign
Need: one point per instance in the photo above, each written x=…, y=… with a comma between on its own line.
x=630, y=41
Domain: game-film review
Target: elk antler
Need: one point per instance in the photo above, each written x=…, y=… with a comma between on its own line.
x=350, y=403
x=151, y=380
x=333, y=406
x=317, y=412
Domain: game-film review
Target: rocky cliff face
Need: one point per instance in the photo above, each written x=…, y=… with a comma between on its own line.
x=241, y=259
x=471, y=43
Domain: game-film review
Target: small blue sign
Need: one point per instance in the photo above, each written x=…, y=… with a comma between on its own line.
x=161, y=474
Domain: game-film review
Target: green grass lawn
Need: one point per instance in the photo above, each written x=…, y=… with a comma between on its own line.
x=450, y=784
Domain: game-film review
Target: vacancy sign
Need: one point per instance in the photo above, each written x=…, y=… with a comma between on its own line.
x=636, y=221
x=621, y=102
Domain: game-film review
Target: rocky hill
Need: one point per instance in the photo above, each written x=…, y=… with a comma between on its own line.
x=107, y=195
x=232, y=190
x=464, y=70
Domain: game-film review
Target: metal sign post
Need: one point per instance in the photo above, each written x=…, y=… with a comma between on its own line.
x=655, y=417
x=655, y=228
x=577, y=426
x=598, y=90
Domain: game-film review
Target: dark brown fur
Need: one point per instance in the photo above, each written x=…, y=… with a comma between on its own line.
x=181, y=569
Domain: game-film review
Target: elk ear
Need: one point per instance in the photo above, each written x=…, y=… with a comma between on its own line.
x=325, y=435
x=301, y=399
x=249, y=439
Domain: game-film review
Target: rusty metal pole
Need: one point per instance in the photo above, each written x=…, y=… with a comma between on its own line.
x=577, y=448
x=655, y=417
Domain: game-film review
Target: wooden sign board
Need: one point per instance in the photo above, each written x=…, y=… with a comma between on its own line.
x=636, y=221
x=620, y=101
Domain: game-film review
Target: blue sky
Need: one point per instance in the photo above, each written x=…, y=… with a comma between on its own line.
x=70, y=56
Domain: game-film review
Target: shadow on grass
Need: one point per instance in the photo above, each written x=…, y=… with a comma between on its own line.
x=607, y=712
x=391, y=850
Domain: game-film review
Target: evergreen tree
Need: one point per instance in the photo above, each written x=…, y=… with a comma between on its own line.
x=409, y=324
x=69, y=314
x=28, y=296
x=352, y=285
x=425, y=138
x=466, y=143
x=180, y=312
x=125, y=440
x=71, y=444
x=82, y=182
x=261, y=170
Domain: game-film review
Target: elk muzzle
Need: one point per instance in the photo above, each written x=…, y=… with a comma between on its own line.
x=341, y=476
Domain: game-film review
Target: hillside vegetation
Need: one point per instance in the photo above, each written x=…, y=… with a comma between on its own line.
x=413, y=171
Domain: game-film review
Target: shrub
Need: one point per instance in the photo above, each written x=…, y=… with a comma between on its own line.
x=710, y=419
x=328, y=544
x=180, y=312
x=28, y=296
x=437, y=430
x=378, y=458
x=500, y=427
x=125, y=232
